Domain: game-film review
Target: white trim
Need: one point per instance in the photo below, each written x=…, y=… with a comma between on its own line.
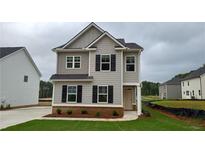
x=102, y=94
x=131, y=84
x=105, y=62
x=122, y=75
x=53, y=94
x=76, y=93
x=110, y=36
x=29, y=57
x=131, y=64
x=88, y=105
x=89, y=60
x=71, y=80
x=73, y=62
x=82, y=32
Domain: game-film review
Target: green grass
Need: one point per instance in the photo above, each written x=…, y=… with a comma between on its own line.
x=157, y=122
x=190, y=104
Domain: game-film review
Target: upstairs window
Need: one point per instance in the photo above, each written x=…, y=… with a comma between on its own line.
x=130, y=63
x=183, y=84
x=105, y=62
x=73, y=62
x=199, y=92
x=25, y=78
x=188, y=83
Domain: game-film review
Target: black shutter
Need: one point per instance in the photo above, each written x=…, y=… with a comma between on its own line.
x=113, y=62
x=79, y=94
x=110, y=94
x=97, y=63
x=64, y=93
x=95, y=92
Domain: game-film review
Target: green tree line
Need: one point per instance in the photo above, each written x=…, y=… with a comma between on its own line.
x=150, y=88
x=46, y=89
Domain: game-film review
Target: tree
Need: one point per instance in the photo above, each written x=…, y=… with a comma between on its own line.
x=150, y=88
x=46, y=89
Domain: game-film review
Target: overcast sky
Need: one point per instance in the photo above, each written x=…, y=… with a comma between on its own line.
x=169, y=48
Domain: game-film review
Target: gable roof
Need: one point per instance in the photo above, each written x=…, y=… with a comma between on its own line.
x=92, y=24
x=105, y=34
x=196, y=73
x=121, y=42
x=173, y=81
x=7, y=51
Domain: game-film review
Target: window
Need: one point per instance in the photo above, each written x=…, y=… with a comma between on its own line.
x=187, y=93
x=103, y=94
x=192, y=92
x=72, y=93
x=188, y=83
x=130, y=63
x=105, y=62
x=72, y=62
x=199, y=92
x=25, y=78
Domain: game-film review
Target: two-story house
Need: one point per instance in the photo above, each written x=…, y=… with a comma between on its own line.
x=97, y=75
x=193, y=85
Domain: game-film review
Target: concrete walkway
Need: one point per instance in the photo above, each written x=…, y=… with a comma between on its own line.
x=128, y=116
x=20, y=115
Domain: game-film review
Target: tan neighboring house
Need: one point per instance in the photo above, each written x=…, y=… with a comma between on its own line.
x=97, y=74
x=19, y=77
x=193, y=86
x=170, y=89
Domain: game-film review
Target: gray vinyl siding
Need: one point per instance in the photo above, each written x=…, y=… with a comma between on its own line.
x=61, y=63
x=174, y=92
x=130, y=76
x=86, y=38
x=86, y=91
x=104, y=46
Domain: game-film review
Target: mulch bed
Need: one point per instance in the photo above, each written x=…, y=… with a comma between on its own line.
x=77, y=116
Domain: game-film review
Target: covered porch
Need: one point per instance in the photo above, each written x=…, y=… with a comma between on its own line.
x=132, y=98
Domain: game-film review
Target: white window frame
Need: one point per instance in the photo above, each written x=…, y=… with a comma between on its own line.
x=72, y=93
x=129, y=63
x=73, y=62
x=102, y=93
x=105, y=62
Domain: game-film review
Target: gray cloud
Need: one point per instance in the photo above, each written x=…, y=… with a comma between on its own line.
x=170, y=48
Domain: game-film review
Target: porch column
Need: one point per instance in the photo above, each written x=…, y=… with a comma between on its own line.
x=139, y=103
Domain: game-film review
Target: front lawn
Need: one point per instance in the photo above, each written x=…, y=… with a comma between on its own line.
x=189, y=104
x=158, y=121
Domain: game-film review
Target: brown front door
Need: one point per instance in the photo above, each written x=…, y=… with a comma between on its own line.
x=127, y=98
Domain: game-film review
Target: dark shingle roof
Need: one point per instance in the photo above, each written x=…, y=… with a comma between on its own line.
x=4, y=51
x=70, y=76
x=129, y=45
x=196, y=73
x=173, y=81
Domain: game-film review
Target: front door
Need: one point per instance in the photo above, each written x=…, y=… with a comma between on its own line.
x=127, y=98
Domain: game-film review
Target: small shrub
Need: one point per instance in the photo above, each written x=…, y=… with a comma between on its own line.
x=114, y=113
x=8, y=106
x=97, y=114
x=146, y=113
x=69, y=112
x=84, y=112
x=59, y=111
x=2, y=107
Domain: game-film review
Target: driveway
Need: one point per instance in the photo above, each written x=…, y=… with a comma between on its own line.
x=17, y=116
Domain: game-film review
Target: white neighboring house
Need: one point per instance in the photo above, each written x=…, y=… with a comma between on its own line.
x=193, y=86
x=19, y=77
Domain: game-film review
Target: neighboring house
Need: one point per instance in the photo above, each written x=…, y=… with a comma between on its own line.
x=19, y=77
x=170, y=89
x=98, y=73
x=193, y=86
